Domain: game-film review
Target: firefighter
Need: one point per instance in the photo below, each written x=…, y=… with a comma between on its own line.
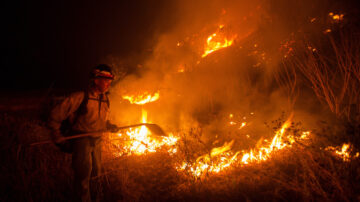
x=86, y=112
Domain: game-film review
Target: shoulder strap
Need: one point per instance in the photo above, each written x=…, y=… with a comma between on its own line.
x=107, y=100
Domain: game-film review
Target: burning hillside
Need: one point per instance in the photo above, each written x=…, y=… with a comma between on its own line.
x=232, y=63
x=228, y=100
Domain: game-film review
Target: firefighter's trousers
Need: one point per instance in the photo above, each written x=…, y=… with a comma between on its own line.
x=86, y=162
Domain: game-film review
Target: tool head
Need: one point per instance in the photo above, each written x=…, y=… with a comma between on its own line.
x=155, y=129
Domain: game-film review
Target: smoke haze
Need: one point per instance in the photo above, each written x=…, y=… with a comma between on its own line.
x=240, y=79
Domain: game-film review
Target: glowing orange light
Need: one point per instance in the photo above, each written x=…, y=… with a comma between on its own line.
x=222, y=157
x=327, y=31
x=140, y=140
x=336, y=17
x=343, y=153
x=142, y=99
x=215, y=42
x=181, y=69
x=243, y=124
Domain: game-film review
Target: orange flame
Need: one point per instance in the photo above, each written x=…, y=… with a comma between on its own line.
x=215, y=42
x=225, y=157
x=140, y=140
x=142, y=99
x=344, y=152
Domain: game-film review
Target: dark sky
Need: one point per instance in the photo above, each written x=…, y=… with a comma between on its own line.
x=58, y=42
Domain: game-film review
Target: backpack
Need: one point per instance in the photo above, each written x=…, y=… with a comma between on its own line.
x=66, y=125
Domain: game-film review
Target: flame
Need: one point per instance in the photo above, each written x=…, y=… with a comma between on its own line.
x=343, y=153
x=142, y=99
x=222, y=157
x=143, y=115
x=139, y=140
x=204, y=163
x=216, y=42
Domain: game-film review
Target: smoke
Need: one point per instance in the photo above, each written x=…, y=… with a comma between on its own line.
x=200, y=91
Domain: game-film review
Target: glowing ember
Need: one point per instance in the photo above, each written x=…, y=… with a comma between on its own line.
x=243, y=124
x=327, y=31
x=216, y=42
x=181, y=69
x=232, y=123
x=336, y=17
x=343, y=153
x=142, y=99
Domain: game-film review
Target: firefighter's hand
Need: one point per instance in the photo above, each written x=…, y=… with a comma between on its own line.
x=58, y=138
x=113, y=128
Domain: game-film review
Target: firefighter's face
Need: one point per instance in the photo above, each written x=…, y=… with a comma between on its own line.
x=102, y=84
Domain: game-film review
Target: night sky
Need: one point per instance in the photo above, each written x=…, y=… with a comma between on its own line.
x=56, y=43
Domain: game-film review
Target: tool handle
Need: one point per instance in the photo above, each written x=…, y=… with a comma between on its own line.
x=89, y=134
x=65, y=138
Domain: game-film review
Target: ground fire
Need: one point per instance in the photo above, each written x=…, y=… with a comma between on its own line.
x=140, y=141
x=254, y=100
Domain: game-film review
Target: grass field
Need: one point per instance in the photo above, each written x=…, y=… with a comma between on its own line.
x=304, y=172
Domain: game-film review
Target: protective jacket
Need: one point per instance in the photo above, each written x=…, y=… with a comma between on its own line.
x=93, y=117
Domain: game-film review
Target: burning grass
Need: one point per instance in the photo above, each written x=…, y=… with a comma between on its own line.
x=286, y=163
x=300, y=172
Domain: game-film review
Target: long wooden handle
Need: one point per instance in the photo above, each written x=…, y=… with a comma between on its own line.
x=93, y=133
x=65, y=138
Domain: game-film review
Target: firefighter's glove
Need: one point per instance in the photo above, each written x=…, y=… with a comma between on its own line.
x=112, y=128
x=58, y=138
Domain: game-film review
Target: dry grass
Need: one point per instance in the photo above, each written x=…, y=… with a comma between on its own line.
x=304, y=172
x=301, y=173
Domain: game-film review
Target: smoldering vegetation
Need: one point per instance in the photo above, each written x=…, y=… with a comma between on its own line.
x=286, y=57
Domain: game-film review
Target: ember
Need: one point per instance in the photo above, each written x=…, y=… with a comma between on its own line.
x=344, y=153
x=336, y=17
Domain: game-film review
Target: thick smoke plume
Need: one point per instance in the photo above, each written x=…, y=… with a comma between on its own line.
x=245, y=79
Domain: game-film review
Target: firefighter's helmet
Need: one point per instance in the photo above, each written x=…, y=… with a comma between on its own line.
x=102, y=71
